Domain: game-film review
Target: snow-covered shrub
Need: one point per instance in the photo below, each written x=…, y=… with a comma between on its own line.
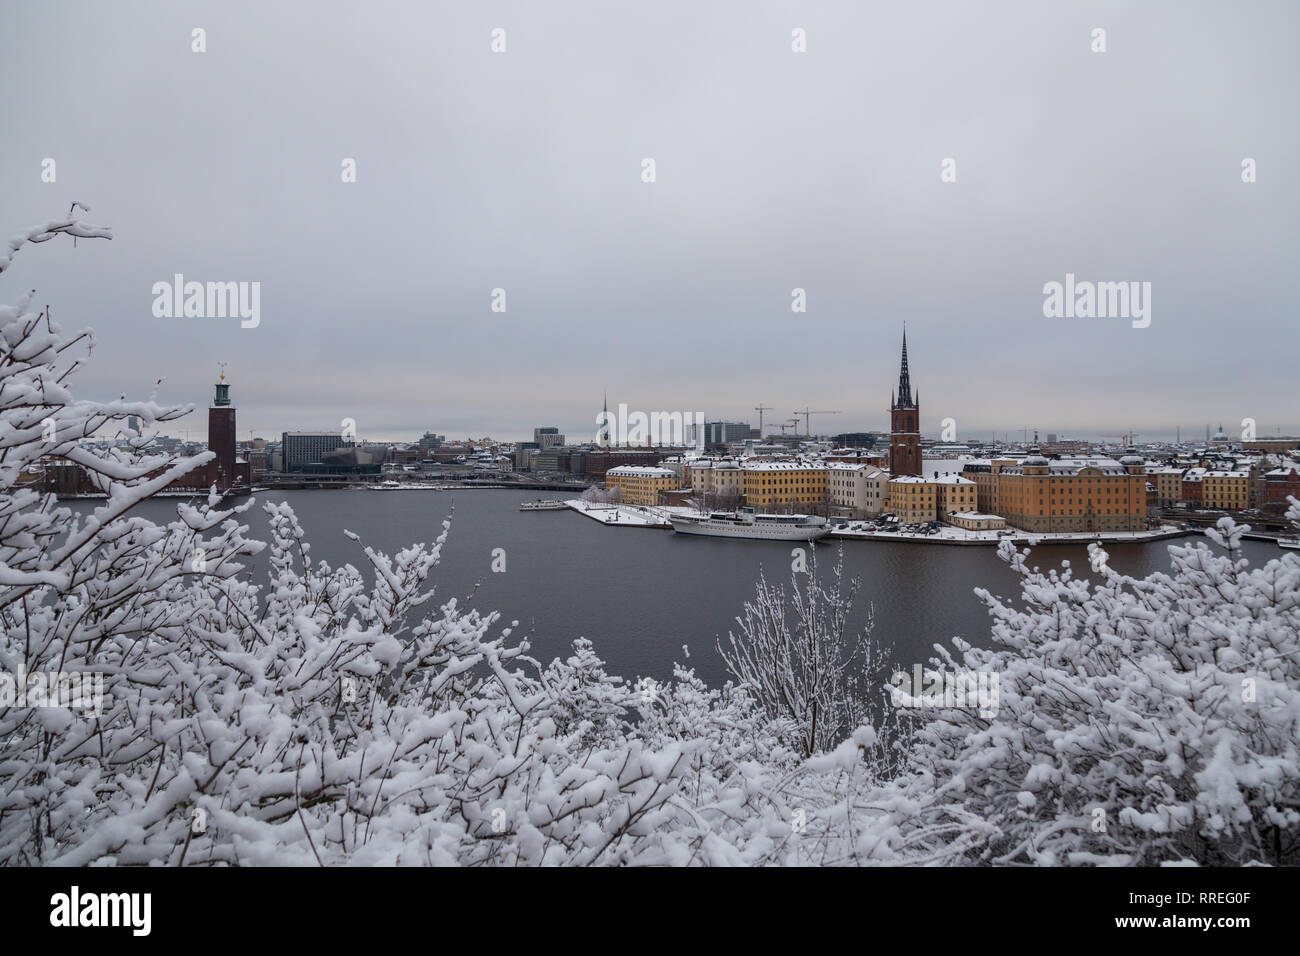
x=1140, y=720
x=323, y=715
x=804, y=659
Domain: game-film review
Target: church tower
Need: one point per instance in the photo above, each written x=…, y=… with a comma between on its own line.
x=221, y=436
x=602, y=434
x=904, y=425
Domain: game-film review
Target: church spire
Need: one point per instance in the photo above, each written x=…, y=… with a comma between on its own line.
x=904, y=379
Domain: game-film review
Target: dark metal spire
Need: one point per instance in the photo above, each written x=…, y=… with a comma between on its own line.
x=904, y=380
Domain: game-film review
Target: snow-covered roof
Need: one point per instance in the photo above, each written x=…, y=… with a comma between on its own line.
x=854, y=466
x=640, y=471
x=786, y=466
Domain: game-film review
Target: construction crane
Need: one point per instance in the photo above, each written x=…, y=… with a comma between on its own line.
x=788, y=423
x=806, y=412
x=761, y=408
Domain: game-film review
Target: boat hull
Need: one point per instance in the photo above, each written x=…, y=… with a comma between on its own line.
x=755, y=531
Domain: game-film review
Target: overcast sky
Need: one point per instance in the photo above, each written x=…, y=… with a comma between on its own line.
x=775, y=170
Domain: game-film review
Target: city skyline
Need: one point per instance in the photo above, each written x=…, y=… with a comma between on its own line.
x=578, y=435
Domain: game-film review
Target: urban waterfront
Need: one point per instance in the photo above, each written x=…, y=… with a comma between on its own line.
x=639, y=594
x=574, y=365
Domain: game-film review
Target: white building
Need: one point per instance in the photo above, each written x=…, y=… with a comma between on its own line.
x=856, y=490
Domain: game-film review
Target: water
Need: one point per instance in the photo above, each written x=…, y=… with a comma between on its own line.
x=639, y=594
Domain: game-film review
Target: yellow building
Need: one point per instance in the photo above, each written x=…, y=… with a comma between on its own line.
x=641, y=485
x=1074, y=494
x=956, y=494
x=913, y=498
x=716, y=482
x=1226, y=490
x=984, y=472
x=1169, y=485
x=786, y=487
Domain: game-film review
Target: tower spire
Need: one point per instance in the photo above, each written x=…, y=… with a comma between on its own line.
x=222, y=396
x=904, y=379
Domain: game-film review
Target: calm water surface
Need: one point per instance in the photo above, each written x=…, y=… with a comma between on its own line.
x=639, y=595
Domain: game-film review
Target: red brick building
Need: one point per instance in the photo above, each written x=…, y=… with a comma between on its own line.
x=1276, y=486
x=227, y=470
x=904, y=425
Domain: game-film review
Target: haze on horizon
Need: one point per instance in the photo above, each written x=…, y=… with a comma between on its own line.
x=775, y=170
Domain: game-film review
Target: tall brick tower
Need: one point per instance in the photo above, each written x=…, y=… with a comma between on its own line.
x=221, y=436
x=904, y=425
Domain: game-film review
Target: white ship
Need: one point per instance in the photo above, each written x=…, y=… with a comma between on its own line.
x=550, y=504
x=1288, y=543
x=746, y=524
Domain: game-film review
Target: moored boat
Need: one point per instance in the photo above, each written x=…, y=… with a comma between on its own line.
x=747, y=524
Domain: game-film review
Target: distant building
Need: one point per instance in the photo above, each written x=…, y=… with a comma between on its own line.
x=1168, y=481
x=718, y=483
x=956, y=494
x=1225, y=490
x=914, y=499
x=1074, y=494
x=547, y=437
x=221, y=434
x=227, y=470
x=905, y=424
x=641, y=485
x=1276, y=487
x=1190, y=486
x=524, y=454
x=299, y=449
x=1275, y=445
x=856, y=490
x=786, y=487
x=984, y=472
x=977, y=521
x=598, y=461
x=855, y=439
x=718, y=434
